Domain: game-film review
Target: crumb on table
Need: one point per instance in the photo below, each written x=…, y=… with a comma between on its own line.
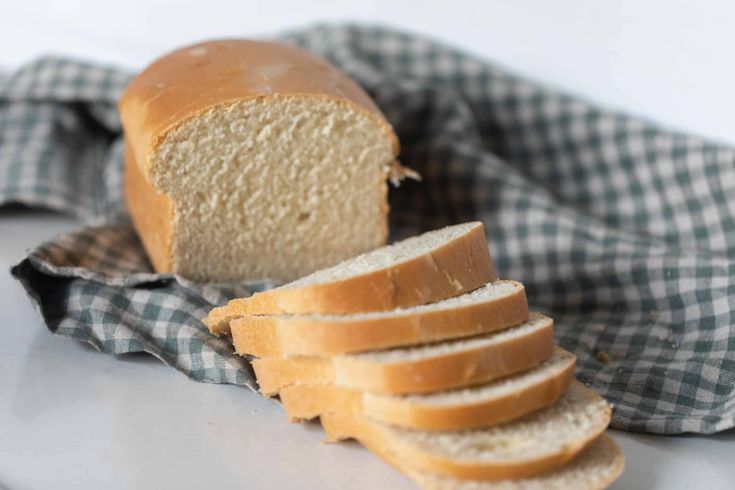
x=603, y=357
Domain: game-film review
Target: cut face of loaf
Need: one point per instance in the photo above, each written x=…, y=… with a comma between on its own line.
x=431, y=267
x=250, y=160
x=422, y=369
x=480, y=406
x=538, y=442
x=595, y=469
x=495, y=306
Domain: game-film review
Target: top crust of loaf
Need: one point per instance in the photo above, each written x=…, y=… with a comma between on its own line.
x=196, y=78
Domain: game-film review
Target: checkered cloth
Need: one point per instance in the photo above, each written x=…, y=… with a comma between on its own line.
x=622, y=231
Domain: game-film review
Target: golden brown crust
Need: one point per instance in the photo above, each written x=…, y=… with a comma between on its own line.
x=303, y=402
x=151, y=213
x=196, y=78
x=287, y=335
x=340, y=426
x=441, y=372
x=459, y=266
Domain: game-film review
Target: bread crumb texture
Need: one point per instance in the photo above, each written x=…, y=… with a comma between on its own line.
x=579, y=415
x=387, y=256
x=273, y=187
x=594, y=469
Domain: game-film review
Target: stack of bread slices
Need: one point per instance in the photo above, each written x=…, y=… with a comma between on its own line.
x=420, y=353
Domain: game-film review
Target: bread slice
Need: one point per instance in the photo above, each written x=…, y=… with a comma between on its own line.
x=541, y=441
x=495, y=306
x=420, y=369
x=419, y=270
x=252, y=160
x=596, y=468
x=481, y=406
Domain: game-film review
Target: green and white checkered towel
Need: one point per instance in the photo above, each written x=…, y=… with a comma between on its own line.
x=620, y=230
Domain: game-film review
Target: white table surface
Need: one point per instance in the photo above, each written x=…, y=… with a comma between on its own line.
x=72, y=417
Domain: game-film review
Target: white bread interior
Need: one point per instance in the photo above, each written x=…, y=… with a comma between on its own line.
x=388, y=256
x=273, y=188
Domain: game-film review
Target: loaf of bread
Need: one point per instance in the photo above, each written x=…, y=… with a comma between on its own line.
x=251, y=160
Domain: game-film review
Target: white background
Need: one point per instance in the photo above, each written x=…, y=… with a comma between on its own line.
x=74, y=418
x=670, y=60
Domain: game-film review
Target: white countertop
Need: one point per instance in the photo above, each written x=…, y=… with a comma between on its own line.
x=72, y=417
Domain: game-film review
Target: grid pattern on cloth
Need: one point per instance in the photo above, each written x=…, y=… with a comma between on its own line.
x=622, y=231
